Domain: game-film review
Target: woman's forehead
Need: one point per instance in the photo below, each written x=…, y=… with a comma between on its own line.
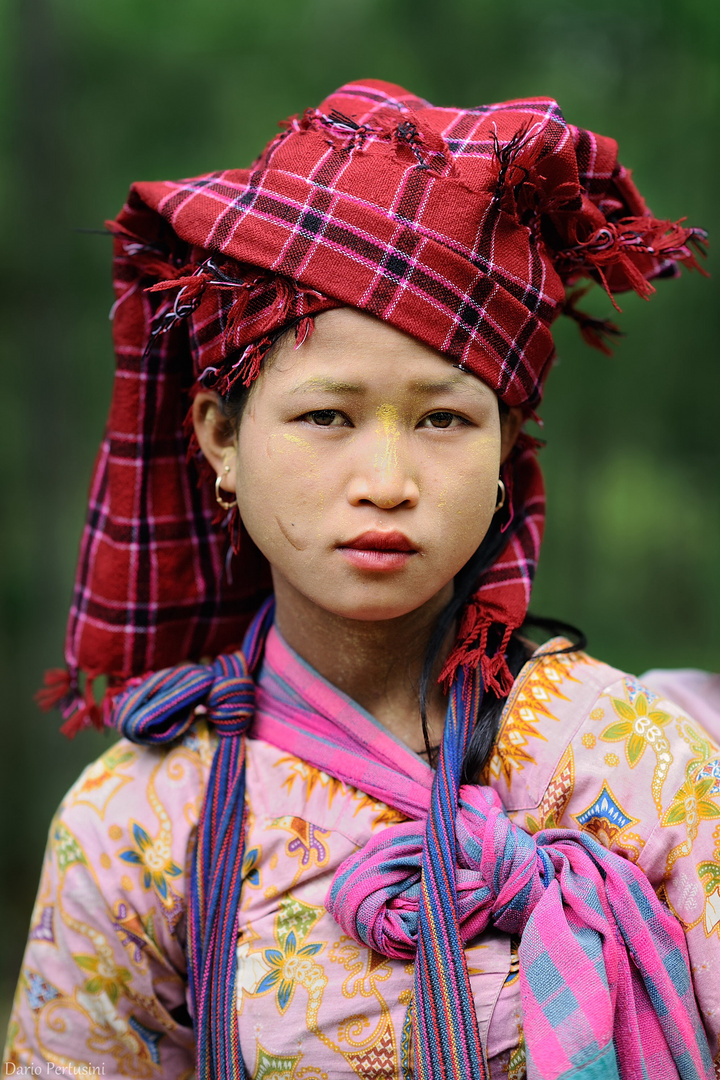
x=350, y=351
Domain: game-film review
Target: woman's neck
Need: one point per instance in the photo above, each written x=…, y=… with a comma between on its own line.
x=378, y=664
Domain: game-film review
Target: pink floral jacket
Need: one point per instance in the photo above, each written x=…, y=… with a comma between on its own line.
x=103, y=987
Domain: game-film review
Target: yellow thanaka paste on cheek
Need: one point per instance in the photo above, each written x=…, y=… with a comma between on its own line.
x=311, y=473
x=277, y=447
x=302, y=443
x=277, y=444
x=306, y=448
x=316, y=503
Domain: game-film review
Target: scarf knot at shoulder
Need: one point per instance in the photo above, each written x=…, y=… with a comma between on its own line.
x=160, y=708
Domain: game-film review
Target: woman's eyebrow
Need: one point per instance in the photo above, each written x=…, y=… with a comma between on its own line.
x=329, y=385
x=418, y=386
x=443, y=386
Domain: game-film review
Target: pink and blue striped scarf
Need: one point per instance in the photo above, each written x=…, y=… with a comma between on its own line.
x=605, y=981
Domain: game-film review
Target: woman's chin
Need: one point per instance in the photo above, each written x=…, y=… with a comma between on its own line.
x=372, y=609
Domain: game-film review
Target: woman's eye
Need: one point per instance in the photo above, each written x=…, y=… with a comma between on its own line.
x=326, y=418
x=442, y=420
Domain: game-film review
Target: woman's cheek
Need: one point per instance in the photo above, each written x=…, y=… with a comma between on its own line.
x=287, y=449
x=465, y=508
x=476, y=478
x=288, y=468
x=308, y=473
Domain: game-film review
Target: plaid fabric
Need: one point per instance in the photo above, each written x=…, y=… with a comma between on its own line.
x=459, y=226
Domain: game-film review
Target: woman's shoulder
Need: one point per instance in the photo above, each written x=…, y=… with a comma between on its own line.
x=571, y=715
x=552, y=697
x=130, y=816
x=635, y=763
x=583, y=745
x=126, y=771
x=106, y=949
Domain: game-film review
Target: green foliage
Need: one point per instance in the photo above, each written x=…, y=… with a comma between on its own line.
x=101, y=94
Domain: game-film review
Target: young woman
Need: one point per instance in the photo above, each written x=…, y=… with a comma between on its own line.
x=383, y=835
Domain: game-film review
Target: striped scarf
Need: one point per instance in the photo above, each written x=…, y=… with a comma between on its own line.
x=606, y=986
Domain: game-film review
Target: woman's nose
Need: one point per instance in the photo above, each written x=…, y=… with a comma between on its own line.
x=383, y=474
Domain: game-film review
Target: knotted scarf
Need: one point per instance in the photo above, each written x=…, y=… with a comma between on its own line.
x=605, y=982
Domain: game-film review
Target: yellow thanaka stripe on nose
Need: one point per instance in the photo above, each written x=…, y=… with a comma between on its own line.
x=388, y=417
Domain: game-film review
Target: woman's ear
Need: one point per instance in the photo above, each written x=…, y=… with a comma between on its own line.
x=216, y=437
x=510, y=424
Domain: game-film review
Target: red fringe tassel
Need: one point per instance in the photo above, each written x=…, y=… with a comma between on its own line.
x=471, y=650
x=80, y=711
x=56, y=686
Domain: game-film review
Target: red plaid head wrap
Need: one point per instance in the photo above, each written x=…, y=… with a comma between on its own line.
x=461, y=227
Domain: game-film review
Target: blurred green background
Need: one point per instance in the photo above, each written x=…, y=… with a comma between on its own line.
x=96, y=95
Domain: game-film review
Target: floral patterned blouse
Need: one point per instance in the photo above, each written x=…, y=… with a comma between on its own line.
x=103, y=988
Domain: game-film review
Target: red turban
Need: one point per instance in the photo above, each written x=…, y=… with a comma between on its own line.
x=461, y=227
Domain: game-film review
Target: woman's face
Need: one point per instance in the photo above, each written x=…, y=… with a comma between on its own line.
x=366, y=467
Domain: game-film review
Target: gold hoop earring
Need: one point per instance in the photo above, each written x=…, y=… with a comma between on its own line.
x=502, y=494
x=220, y=501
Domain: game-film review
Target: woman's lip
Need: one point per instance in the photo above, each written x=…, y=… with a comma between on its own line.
x=375, y=540
x=375, y=560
